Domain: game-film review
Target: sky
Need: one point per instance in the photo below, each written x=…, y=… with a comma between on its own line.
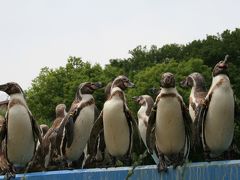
x=39, y=33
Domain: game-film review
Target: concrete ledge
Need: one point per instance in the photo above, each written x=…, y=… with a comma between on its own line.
x=196, y=171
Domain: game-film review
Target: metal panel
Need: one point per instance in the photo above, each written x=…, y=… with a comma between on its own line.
x=214, y=170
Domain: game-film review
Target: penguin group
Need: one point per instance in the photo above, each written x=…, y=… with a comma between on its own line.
x=170, y=130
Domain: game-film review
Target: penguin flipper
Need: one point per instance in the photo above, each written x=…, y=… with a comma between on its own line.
x=97, y=127
x=150, y=135
x=188, y=127
x=132, y=126
x=36, y=130
x=69, y=131
x=199, y=127
x=3, y=132
x=96, y=113
x=237, y=110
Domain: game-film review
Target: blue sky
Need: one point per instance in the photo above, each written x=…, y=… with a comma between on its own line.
x=42, y=33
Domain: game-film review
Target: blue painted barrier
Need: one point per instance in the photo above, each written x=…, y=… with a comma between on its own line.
x=191, y=171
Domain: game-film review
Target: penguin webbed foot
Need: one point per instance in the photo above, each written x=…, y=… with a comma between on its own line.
x=9, y=175
x=9, y=172
x=162, y=166
x=89, y=161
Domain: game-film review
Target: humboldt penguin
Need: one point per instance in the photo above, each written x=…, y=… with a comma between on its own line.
x=169, y=126
x=198, y=92
x=101, y=158
x=116, y=122
x=52, y=138
x=80, y=120
x=20, y=132
x=146, y=102
x=216, y=113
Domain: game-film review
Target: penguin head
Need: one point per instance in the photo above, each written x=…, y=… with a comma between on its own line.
x=221, y=67
x=11, y=88
x=168, y=80
x=143, y=99
x=194, y=79
x=88, y=87
x=139, y=99
x=43, y=128
x=122, y=82
x=60, y=110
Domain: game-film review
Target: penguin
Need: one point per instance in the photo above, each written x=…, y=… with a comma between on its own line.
x=198, y=92
x=20, y=130
x=80, y=120
x=216, y=113
x=101, y=158
x=169, y=126
x=146, y=102
x=196, y=82
x=116, y=122
x=52, y=138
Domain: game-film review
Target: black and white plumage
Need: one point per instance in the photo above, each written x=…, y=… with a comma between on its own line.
x=52, y=138
x=116, y=122
x=198, y=91
x=216, y=113
x=146, y=102
x=169, y=124
x=20, y=131
x=79, y=122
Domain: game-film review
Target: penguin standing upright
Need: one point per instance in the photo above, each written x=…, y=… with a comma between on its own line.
x=198, y=92
x=20, y=131
x=169, y=126
x=146, y=102
x=52, y=138
x=80, y=120
x=216, y=113
x=116, y=122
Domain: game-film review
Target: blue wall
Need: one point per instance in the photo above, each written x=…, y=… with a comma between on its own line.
x=195, y=171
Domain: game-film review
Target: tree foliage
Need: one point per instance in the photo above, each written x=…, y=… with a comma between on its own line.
x=143, y=67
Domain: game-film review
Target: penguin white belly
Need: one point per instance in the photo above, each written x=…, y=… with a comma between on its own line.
x=142, y=129
x=219, y=124
x=81, y=133
x=170, y=131
x=192, y=113
x=116, y=129
x=20, y=141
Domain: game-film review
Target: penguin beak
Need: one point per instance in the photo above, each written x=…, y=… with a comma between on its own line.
x=225, y=59
x=224, y=62
x=4, y=87
x=130, y=84
x=183, y=83
x=135, y=98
